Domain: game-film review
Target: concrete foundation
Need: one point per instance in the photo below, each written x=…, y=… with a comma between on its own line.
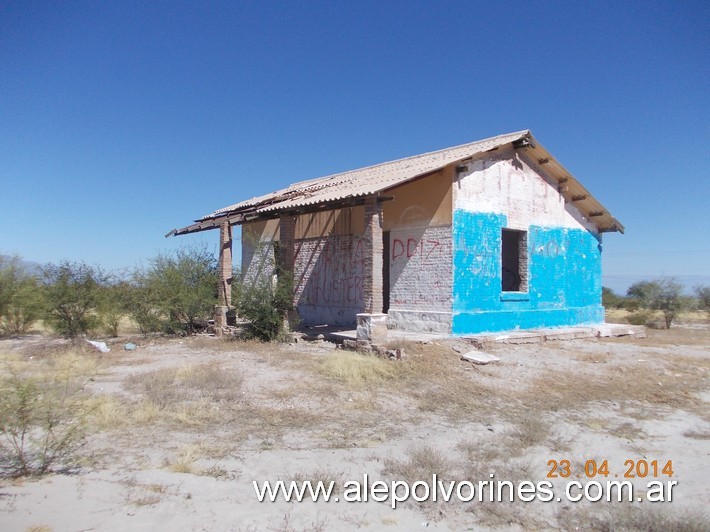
x=419, y=321
x=372, y=328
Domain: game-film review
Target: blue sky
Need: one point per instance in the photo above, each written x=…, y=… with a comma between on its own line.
x=122, y=120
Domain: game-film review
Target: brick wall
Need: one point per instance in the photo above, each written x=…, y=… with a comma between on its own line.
x=258, y=262
x=420, y=269
x=329, y=279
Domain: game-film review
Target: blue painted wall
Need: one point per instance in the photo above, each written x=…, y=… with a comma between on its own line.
x=564, y=277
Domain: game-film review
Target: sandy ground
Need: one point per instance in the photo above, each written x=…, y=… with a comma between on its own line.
x=159, y=459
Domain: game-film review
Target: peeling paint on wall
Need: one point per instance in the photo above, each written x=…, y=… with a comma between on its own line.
x=564, y=277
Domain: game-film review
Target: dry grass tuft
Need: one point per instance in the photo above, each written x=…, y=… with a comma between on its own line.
x=324, y=476
x=107, y=412
x=356, y=370
x=208, y=382
x=185, y=460
x=676, y=386
x=697, y=434
x=628, y=431
x=196, y=413
x=625, y=517
x=146, y=412
x=420, y=463
x=144, y=494
x=528, y=431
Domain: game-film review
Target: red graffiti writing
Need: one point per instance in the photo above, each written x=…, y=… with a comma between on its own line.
x=335, y=276
x=423, y=248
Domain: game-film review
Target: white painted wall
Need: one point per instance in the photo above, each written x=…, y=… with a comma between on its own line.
x=509, y=183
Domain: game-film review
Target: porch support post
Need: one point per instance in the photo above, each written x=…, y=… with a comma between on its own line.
x=224, y=272
x=372, y=323
x=286, y=259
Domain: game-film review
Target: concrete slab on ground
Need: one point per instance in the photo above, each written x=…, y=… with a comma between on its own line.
x=479, y=357
x=606, y=330
x=536, y=336
x=533, y=336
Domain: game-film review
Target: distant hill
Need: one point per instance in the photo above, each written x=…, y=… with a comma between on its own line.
x=30, y=267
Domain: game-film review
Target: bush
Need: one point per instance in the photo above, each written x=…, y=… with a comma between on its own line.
x=610, y=299
x=143, y=310
x=645, y=292
x=662, y=294
x=177, y=292
x=266, y=306
x=42, y=414
x=20, y=298
x=73, y=295
x=640, y=317
x=113, y=303
x=703, y=295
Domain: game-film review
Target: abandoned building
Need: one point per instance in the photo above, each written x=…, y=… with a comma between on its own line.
x=489, y=236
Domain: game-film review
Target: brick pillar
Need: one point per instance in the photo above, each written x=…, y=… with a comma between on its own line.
x=224, y=272
x=372, y=323
x=372, y=248
x=286, y=258
x=287, y=234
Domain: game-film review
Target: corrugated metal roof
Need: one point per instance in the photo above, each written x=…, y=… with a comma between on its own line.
x=371, y=180
x=368, y=180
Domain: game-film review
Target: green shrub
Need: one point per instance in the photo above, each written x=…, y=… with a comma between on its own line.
x=609, y=298
x=267, y=306
x=661, y=294
x=177, y=292
x=142, y=308
x=703, y=295
x=20, y=298
x=639, y=317
x=72, y=293
x=113, y=303
x=42, y=414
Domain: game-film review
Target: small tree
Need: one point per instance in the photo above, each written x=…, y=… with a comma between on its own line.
x=703, y=295
x=266, y=305
x=610, y=299
x=141, y=305
x=42, y=414
x=20, y=298
x=670, y=299
x=179, y=289
x=664, y=294
x=645, y=292
x=113, y=303
x=73, y=295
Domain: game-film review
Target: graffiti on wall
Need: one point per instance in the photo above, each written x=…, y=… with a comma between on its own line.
x=420, y=269
x=423, y=249
x=330, y=271
x=544, y=245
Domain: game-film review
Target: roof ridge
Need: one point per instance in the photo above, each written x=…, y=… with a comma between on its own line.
x=315, y=180
x=312, y=186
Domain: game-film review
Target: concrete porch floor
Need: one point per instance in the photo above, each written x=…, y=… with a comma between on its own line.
x=532, y=336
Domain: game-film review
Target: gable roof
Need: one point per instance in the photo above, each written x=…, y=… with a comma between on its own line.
x=352, y=187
